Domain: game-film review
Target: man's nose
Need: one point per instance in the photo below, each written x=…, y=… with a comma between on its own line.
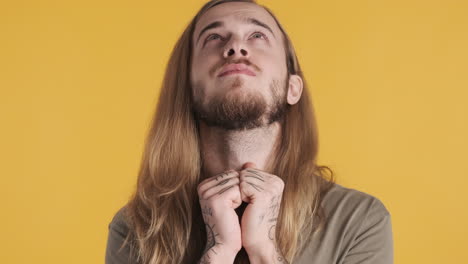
x=235, y=49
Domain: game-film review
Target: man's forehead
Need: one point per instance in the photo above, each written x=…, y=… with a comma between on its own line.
x=239, y=11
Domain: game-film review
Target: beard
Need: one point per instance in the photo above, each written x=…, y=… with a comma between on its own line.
x=237, y=110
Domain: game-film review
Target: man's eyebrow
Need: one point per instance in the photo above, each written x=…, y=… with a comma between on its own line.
x=210, y=26
x=254, y=21
x=249, y=20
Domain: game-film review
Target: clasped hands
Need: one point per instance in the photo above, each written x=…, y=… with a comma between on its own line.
x=221, y=194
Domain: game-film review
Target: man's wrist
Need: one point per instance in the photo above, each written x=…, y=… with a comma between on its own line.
x=227, y=254
x=261, y=255
x=219, y=254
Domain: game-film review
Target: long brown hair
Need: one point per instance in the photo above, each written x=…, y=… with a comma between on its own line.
x=163, y=214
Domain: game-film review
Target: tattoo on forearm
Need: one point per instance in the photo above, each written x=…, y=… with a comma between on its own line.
x=206, y=259
x=271, y=235
x=262, y=216
x=210, y=237
x=273, y=214
x=279, y=255
x=271, y=232
x=275, y=205
x=210, y=244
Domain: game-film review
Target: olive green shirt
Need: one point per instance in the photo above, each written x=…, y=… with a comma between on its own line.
x=359, y=231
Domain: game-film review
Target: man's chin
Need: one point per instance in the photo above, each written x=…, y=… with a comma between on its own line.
x=243, y=96
x=234, y=81
x=235, y=110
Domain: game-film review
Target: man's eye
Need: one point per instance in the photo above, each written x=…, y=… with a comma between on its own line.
x=258, y=35
x=213, y=36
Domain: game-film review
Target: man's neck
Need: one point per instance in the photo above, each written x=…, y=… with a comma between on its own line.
x=223, y=150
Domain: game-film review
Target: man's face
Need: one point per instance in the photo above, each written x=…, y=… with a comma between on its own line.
x=238, y=72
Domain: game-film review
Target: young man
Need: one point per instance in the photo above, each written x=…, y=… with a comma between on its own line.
x=229, y=172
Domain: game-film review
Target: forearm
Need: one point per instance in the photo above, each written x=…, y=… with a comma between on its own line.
x=268, y=255
x=216, y=255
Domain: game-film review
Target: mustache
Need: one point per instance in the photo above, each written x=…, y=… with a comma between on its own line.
x=220, y=65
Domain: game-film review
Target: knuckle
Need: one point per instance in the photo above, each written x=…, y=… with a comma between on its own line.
x=278, y=181
x=204, y=197
x=281, y=184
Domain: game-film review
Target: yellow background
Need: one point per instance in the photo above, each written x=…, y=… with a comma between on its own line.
x=79, y=81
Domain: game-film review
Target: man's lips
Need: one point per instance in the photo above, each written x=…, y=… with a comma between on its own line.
x=238, y=68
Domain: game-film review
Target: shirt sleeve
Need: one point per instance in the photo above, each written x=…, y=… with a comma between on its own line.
x=373, y=243
x=116, y=251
